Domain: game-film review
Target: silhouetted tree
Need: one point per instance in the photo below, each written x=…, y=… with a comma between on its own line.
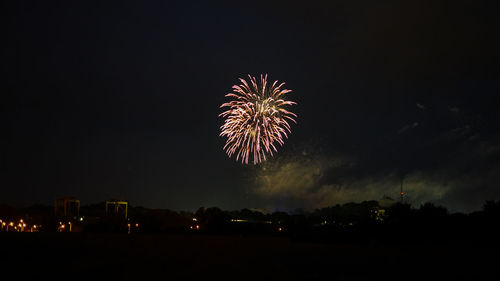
x=432, y=212
x=492, y=208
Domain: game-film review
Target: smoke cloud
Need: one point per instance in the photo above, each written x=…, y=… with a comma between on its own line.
x=320, y=181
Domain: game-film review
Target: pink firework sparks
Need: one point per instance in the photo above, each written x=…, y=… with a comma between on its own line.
x=256, y=119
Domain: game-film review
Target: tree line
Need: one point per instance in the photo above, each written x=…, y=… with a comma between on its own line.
x=358, y=222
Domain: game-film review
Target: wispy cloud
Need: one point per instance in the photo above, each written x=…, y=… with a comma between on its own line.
x=308, y=183
x=319, y=181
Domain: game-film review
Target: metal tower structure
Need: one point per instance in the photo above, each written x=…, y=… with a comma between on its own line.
x=401, y=192
x=120, y=207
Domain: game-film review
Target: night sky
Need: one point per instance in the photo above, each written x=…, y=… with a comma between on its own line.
x=121, y=100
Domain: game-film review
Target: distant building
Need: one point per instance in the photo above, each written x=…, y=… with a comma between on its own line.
x=380, y=212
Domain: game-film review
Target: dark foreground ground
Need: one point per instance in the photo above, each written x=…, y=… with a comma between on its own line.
x=77, y=256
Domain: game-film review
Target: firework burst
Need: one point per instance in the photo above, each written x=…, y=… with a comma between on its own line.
x=256, y=119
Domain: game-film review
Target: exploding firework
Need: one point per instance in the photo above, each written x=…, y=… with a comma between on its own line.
x=256, y=119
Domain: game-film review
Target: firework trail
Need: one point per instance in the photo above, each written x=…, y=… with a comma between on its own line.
x=256, y=119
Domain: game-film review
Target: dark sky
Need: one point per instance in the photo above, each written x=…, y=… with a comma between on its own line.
x=121, y=100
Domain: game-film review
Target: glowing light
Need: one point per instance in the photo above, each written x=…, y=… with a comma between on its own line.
x=238, y=220
x=136, y=225
x=197, y=227
x=256, y=119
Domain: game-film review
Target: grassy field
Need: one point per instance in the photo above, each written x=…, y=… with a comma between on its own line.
x=204, y=257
